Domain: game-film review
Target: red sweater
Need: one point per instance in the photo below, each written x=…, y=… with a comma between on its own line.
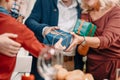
x=25, y=37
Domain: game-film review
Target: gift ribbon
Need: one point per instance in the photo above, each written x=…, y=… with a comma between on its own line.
x=91, y=30
x=82, y=21
x=56, y=34
x=80, y=27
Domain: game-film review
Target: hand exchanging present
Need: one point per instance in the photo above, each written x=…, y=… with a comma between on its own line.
x=49, y=29
x=59, y=46
x=76, y=40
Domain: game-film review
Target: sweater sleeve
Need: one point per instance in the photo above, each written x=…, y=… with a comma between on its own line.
x=111, y=33
x=30, y=42
x=25, y=37
x=34, y=20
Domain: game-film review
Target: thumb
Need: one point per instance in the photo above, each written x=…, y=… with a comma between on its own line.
x=11, y=35
x=72, y=33
x=60, y=41
x=70, y=47
x=64, y=47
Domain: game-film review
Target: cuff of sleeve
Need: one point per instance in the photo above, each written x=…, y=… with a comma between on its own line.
x=43, y=31
x=102, y=44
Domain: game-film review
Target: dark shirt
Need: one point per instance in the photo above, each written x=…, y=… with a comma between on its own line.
x=45, y=13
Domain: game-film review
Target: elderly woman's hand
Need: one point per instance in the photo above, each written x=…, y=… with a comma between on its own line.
x=76, y=40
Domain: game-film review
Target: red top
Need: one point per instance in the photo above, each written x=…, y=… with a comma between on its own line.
x=25, y=37
x=104, y=61
x=108, y=31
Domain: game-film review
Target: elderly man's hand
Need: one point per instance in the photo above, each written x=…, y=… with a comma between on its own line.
x=49, y=29
x=58, y=45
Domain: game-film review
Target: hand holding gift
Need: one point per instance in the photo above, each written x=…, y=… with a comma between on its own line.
x=60, y=38
x=58, y=45
x=76, y=40
x=49, y=29
x=83, y=28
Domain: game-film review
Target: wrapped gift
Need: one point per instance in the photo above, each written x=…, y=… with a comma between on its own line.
x=52, y=37
x=84, y=28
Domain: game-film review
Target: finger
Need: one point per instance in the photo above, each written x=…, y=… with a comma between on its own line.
x=73, y=34
x=64, y=47
x=13, y=50
x=59, y=46
x=10, y=50
x=11, y=35
x=60, y=40
x=70, y=47
x=55, y=28
x=15, y=44
x=9, y=54
x=12, y=54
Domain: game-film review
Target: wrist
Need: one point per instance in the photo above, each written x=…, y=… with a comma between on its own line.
x=82, y=40
x=43, y=31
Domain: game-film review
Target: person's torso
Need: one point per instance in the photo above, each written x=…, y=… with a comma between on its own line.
x=67, y=15
x=50, y=12
x=112, y=52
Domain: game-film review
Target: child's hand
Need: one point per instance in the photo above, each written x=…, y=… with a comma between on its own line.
x=20, y=19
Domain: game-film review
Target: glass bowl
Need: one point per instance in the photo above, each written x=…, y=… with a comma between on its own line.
x=48, y=58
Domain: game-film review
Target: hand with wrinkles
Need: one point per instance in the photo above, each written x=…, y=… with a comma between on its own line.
x=76, y=40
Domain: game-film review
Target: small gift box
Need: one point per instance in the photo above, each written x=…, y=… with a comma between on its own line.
x=52, y=37
x=84, y=28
